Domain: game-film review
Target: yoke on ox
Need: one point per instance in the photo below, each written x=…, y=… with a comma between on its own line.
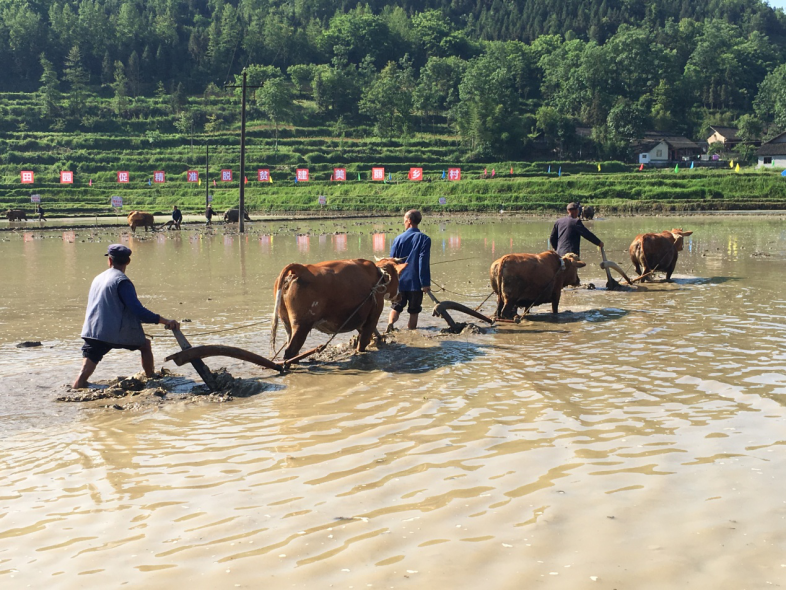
x=333, y=297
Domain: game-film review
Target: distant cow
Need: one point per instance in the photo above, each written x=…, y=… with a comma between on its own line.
x=15, y=215
x=139, y=218
x=588, y=212
x=526, y=280
x=325, y=295
x=657, y=252
x=231, y=216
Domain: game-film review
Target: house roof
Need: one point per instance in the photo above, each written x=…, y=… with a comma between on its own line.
x=641, y=146
x=677, y=142
x=729, y=133
x=775, y=147
x=584, y=131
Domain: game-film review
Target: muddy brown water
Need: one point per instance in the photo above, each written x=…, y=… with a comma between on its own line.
x=635, y=442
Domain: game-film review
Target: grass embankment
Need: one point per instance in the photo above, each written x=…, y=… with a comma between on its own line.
x=141, y=150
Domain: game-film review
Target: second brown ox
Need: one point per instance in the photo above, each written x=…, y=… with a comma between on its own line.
x=657, y=252
x=526, y=280
x=340, y=295
x=139, y=218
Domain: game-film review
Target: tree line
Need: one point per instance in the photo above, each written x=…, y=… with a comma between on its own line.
x=505, y=76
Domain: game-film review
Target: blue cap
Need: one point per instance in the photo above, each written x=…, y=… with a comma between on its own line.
x=118, y=252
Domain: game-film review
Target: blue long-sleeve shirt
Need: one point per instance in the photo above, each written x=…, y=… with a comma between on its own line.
x=127, y=293
x=415, y=246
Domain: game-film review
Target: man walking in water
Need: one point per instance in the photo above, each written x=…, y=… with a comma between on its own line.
x=415, y=279
x=114, y=317
x=568, y=231
x=209, y=213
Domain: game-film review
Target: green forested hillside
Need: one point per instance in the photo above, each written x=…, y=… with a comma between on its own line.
x=498, y=80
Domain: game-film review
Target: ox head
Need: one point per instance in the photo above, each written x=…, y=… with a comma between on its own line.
x=571, y=265
x=392, y=266
x=677, y=235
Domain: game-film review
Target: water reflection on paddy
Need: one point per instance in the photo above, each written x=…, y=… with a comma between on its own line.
x=636, y=441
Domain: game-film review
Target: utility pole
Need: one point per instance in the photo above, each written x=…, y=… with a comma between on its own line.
x=241, y=213
x=242, y=207
x=207, y=176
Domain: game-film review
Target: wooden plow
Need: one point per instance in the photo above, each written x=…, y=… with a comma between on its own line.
x=441, y=311
x=195, y=354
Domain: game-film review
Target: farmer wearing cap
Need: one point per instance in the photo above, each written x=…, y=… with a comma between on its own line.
x=414, y=280
x=568, y=231
x=115, y=316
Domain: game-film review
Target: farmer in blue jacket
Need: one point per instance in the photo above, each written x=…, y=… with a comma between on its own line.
x=115, y=316
x=415, y=279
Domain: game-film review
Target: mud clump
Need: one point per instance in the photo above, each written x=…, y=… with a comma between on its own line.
x=227, y=387
x=463, y=329
x=122, y=387
x=138, y=392
x=29, y=344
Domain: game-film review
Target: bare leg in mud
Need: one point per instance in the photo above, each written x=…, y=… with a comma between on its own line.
x=88, y=366
x=394, y=315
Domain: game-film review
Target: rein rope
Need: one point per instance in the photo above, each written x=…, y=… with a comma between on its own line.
x=380, y=287
x=550, y=285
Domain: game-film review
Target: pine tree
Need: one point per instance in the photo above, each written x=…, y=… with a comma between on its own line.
x=78, y=78
x=49, y=91
x=120, y=86
x=134, y=74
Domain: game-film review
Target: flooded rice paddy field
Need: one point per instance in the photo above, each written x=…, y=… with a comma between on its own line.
x=636, y=441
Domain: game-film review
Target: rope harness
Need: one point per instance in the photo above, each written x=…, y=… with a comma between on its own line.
x=550, y=285
x=380, y=287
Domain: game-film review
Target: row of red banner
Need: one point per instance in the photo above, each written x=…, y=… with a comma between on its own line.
x=263, y=175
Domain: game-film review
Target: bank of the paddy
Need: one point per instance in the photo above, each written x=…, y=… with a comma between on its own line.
x=620, y=192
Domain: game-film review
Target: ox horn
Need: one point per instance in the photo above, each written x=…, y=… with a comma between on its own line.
x=378, y=259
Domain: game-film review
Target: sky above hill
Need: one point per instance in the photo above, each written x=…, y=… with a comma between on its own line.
x=778, y=3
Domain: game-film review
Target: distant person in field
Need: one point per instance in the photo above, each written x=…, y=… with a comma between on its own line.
x=40, y=211
x=415, y=247
x=177, y=216
x=568, y=231
x=115, y=316
x=209, y=215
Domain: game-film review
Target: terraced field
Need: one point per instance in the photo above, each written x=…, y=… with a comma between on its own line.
x=150, y=143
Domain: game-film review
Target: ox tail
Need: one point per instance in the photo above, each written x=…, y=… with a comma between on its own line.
x=498, y=286
x=639, y=255
x=280, y=285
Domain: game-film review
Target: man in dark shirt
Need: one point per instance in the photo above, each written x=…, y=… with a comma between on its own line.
x=177, y=216
x=568, y=231
x=114, y=317
x=415, y=279
x=209, y=214
x=41, y=212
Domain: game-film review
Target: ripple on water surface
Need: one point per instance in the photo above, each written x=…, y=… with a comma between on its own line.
x=636, y=441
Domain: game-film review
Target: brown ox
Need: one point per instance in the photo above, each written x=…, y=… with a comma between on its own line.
x=651, y=252
x=526, y=280
x=15, y=215
x=325, y=295
x=232, y=216
x=139, y=218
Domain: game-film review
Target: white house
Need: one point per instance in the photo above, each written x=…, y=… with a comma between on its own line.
x=773, y=152
x=652, y=151
x=662, y=147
